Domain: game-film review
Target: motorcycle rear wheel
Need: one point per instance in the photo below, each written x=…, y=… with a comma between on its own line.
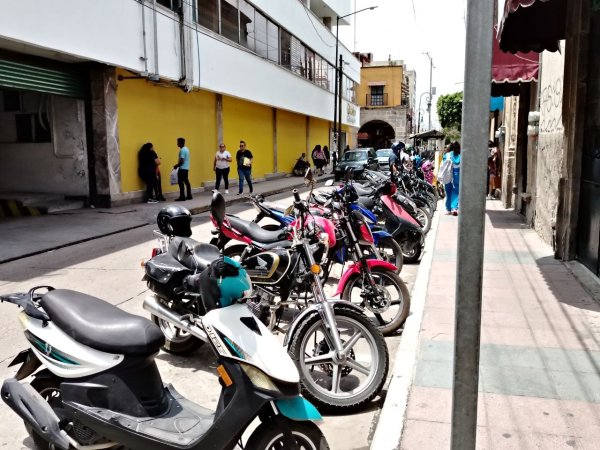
x=411, y=250
x=317, y=377
x=424, y=219
x=177, y=341
x=391, y=252
x=307, y=435
x=398, y=309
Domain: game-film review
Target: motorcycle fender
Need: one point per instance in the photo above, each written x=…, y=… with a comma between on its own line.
x=29, y=363
x=298, y=408
x=314, y=309
x=356, y=268
x=35, y=411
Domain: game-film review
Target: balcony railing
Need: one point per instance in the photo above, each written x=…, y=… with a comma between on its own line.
x=377, y=99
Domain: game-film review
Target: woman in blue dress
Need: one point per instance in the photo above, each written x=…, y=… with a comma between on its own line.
x=452, y=187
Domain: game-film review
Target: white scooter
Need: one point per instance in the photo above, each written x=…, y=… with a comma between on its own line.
x=96, y=385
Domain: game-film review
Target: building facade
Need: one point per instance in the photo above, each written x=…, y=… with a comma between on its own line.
x=386, y=97
x=78, y=101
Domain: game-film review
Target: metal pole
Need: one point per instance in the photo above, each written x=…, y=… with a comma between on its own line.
x=341, y=78
x=471, y=223
x=335, y=93
x=430, y=95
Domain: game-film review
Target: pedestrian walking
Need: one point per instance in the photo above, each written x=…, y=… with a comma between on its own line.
x=183, y=169
x=147, y=163
x=327, y=155
x=318, y=158
x=244, y=158
x=493, y=171
x=452, y=187
x=221, y=167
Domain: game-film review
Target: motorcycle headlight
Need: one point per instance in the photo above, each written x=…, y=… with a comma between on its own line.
x=324, y=238
x=259, y=378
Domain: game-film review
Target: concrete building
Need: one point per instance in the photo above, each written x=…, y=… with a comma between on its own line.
x=386, y=96
x=83, y=84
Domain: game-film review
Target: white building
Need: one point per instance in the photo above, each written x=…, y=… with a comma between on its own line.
x=84, y=83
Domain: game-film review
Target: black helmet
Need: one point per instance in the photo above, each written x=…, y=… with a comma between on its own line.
x=174, y=220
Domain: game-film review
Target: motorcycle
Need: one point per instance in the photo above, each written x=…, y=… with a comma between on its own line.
x=385, y=246
x=341, y=355
x=96, y=384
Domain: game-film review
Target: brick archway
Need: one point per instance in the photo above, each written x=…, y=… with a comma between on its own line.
x=376, y=134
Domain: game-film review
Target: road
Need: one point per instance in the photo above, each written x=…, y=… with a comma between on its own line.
x=110, y=268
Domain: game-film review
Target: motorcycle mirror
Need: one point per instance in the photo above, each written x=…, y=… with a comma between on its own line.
x=308, y=176
x=329, y=182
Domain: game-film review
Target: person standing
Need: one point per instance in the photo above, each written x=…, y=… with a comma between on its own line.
x=452, y=187
x=334, y=160
x=244, y=158
x=318, y=158
x=147, y=163
x=327, y=155
x=183, y=167
x=221, y=167
x=158, y=187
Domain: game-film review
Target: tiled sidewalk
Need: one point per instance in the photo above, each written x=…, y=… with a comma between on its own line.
x=540, y=355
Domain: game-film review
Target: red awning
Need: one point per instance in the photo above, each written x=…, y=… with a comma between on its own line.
x=510, y=70
x=532, y=25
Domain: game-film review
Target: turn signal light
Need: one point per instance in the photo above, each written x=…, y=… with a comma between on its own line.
x=316, y=269
x=224, y=375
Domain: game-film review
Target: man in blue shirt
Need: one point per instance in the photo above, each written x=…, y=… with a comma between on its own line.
x=182, y=173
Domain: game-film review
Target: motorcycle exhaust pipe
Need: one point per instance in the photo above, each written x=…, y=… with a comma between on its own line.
x=153, y=306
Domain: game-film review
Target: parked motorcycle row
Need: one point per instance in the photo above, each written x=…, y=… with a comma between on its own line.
x=95, y=383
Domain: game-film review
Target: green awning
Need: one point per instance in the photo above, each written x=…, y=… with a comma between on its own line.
x=33, y=78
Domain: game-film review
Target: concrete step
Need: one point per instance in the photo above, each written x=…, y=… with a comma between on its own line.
x=34, y=204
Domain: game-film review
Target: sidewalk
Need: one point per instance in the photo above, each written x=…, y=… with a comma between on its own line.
x=26, y=236
x=540, y=349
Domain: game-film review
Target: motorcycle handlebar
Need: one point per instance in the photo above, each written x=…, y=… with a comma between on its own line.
x=296, y=195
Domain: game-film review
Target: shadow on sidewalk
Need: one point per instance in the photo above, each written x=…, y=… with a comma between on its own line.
x=506, y=219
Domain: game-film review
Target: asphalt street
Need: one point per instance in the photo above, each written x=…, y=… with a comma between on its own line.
x=110, y=268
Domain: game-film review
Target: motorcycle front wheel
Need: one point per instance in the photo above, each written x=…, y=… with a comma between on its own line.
x=336, y=384
x=411, y=250
x=307, y=435
x=388, y=306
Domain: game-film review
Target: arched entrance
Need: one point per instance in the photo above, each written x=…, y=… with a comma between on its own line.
x=376, y=134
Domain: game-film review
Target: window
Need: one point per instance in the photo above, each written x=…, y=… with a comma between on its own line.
x=310, y=64
x=260, y=31
x=247, y=36
x=208, y=14
x=230, y=27
x=298, y=58
x=286, y=49
x=376, y=96
x=273, y=41
x=171, y=4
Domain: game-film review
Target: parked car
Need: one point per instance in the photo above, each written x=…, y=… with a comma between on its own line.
x=383, y=158
x=359, y=160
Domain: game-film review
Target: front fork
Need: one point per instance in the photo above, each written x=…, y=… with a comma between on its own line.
x=325, y=308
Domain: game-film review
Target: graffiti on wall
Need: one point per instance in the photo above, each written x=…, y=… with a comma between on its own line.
x=551, y=106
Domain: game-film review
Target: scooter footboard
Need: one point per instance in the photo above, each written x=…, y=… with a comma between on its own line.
x=35, y=411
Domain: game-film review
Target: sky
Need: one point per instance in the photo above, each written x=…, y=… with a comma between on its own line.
x=394, y=29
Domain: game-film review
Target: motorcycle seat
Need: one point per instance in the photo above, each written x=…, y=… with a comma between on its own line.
x=363, y=191
x=367, y=203
x=100, y=325
x=193, y=254
x=271, y=246
x=255, y=232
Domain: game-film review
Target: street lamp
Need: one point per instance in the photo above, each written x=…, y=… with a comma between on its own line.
x=337, y=131
x=429, y=103
x=430, y=93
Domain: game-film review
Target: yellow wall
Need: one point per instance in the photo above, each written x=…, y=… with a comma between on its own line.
x=150, y=113
x=291, y=139
x=393, y=77
x=252, y=123
x=318, y=133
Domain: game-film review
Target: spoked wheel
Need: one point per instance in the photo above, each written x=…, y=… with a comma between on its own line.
x=387, y=303
x=307, y=435
x=337, y=383
x=177, y=341
x=389, y=250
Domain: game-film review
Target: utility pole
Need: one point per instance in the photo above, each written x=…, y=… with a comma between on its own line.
x=471, y=224
x=430, y=87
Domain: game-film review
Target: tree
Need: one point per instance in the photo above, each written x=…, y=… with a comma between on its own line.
x=449, y=110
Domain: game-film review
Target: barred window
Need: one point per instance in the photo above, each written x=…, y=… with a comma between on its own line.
x=208, y=14
x=230, y=27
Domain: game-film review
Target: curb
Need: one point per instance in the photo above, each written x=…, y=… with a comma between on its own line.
x=390, y=425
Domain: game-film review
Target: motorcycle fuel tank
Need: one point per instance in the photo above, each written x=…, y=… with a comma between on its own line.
x=268, y=267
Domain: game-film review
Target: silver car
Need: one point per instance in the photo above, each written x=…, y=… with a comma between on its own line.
x=383, y=158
